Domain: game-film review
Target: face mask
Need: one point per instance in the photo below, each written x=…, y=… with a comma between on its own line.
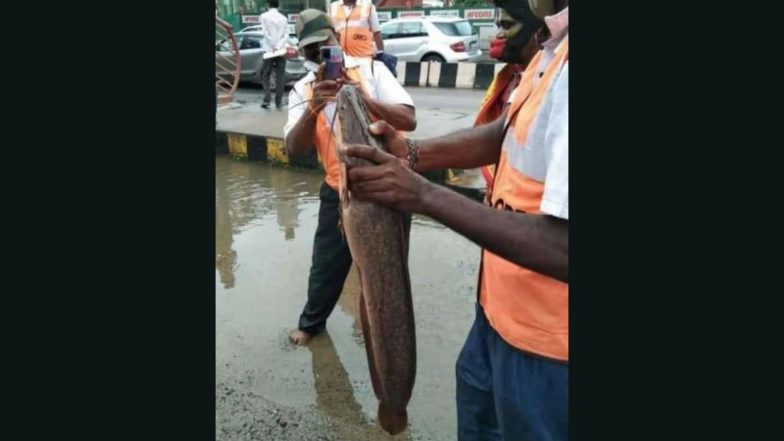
x=497, y=47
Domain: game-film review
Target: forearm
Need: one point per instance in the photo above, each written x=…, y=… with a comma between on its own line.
x=467, y=148
x=302, y=136
x=537, y=242
x=400, y=116
x=379, y=41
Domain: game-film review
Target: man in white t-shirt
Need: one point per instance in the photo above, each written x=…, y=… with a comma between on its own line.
x=275, y=30
x=309, y=125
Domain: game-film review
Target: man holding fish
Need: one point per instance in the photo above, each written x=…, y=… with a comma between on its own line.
x=512, y=373
x=311, y=125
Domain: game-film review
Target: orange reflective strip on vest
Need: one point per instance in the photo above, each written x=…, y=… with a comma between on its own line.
x=529, y=310
x=527, y=112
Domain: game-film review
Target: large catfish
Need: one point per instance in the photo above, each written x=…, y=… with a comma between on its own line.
x=378, y=239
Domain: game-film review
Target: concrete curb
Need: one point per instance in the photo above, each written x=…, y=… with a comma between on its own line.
x=448, y=75
x=268, y=149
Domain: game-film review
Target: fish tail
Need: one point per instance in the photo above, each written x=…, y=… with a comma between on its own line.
x=393, y=421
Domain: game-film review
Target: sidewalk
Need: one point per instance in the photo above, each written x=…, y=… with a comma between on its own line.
x=251, y=119
x=247, y=131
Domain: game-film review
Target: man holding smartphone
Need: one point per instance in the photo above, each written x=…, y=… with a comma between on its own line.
x=310, y=116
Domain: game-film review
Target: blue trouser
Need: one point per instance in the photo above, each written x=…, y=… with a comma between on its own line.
x=506, y=394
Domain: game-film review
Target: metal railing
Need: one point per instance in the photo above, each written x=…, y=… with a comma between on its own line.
x=227, y=62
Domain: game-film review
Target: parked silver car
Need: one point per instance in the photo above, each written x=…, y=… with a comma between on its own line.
x=431, y=38
x=249, y=44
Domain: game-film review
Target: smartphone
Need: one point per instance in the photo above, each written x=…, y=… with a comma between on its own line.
x=333, y=57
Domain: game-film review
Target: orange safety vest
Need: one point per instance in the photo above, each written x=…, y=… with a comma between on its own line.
x=493, y=106
x=529, y=310
x=354, y=33
x=326, y=144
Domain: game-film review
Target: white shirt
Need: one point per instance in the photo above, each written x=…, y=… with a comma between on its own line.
x=555, y=109
x=374, y=25
x=545, y=155
x=558, y=25
x=379, y=83
x=275, y=27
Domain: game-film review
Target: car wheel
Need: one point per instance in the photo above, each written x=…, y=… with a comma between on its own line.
x=433, y=57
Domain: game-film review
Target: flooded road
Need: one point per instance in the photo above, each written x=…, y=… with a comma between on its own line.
x=268, y=390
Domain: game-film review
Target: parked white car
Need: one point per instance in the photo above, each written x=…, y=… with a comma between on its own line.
x=431, y=38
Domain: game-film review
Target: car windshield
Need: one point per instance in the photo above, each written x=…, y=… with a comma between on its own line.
x=455, y=29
